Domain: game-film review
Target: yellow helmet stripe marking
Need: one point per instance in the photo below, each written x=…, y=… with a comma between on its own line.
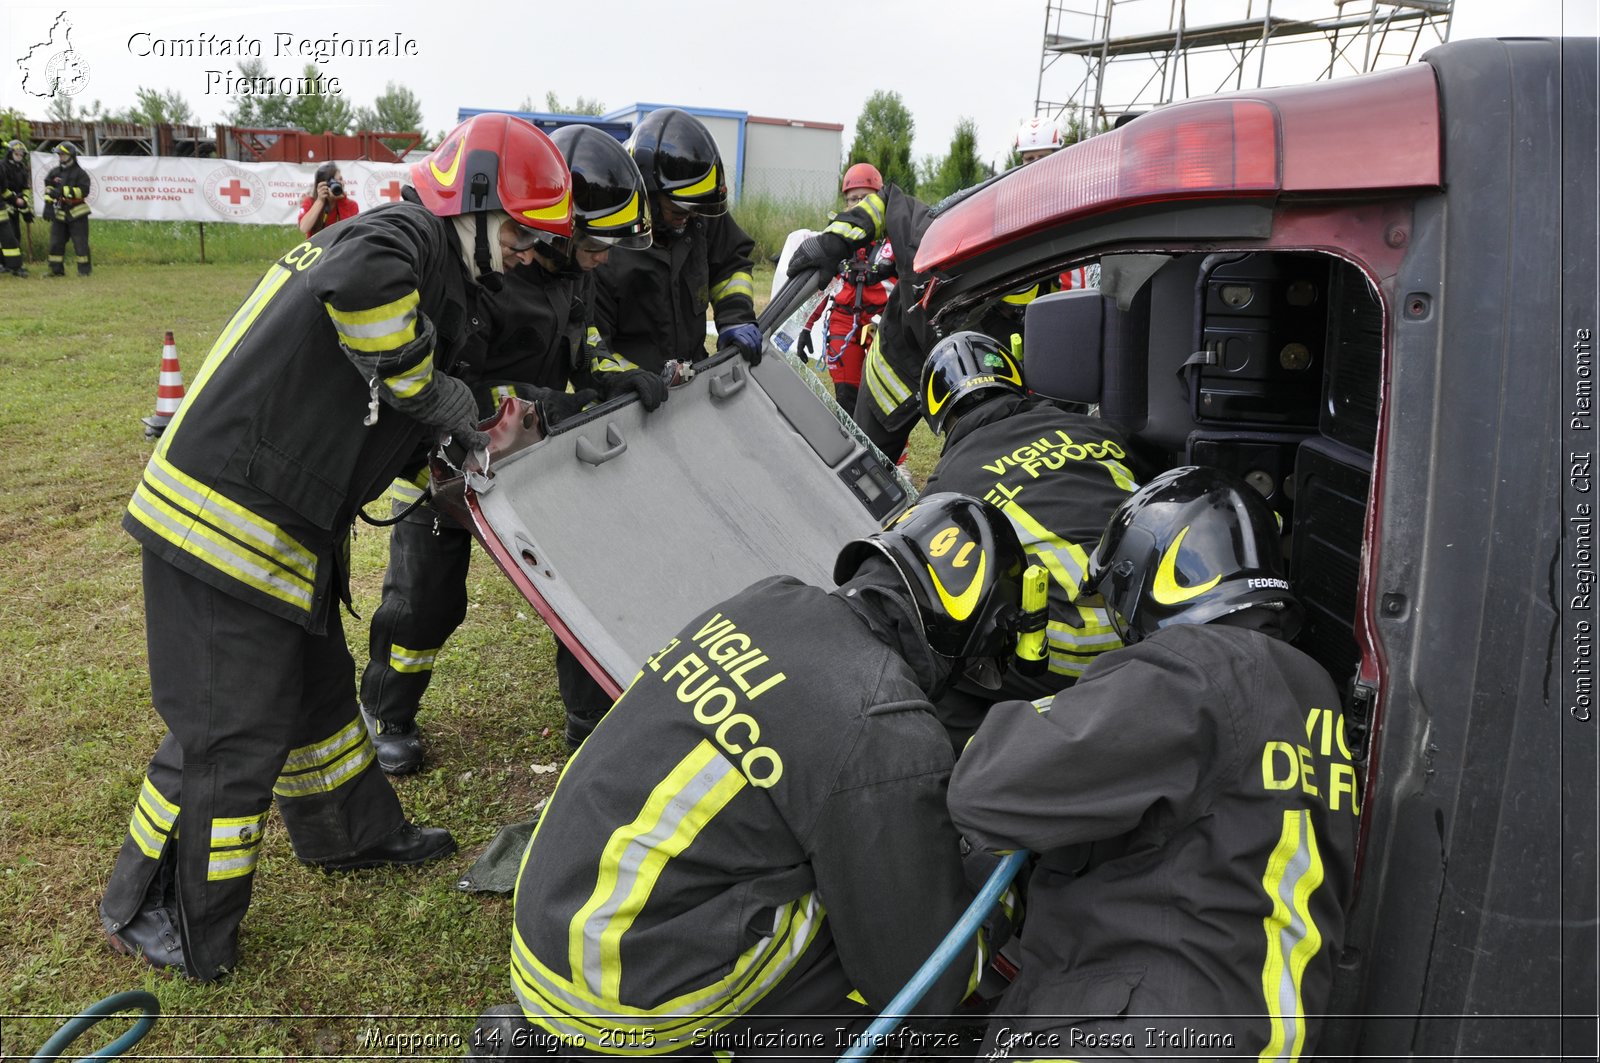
x=448, y=177
x=705, y=184
x=1165, y=589
x=558, y=210
x=960, y=606
x=627, y=214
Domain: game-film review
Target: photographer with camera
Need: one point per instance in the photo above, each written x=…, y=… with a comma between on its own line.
x=327, y=202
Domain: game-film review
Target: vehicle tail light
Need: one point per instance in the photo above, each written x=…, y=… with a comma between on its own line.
x=1187, y=151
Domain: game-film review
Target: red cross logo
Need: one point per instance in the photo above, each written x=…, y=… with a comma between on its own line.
x=390, y=191
x=234, y=191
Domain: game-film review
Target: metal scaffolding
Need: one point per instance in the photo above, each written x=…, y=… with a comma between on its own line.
x=1117, y=58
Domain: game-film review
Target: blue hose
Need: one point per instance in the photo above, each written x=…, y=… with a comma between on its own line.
x=941, y=958
x=136, y=999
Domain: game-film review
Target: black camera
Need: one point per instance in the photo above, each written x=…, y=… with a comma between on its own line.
x=336, y=188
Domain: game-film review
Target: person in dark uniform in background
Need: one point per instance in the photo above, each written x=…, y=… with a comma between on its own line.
x=15, y=189
x=1057, y=474
x=66, y=188
x=652, y=302
x=754, y=840
x=1206, y=770
x=542, y=338
x=315, y=396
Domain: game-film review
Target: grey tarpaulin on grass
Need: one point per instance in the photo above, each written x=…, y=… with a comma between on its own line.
x=496, y=870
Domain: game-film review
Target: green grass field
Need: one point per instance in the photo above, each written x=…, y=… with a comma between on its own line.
x=331, y=964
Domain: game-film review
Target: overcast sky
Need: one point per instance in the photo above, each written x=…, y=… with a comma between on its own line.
x=817, y=62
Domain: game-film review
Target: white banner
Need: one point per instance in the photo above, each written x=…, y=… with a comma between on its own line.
x=151, y=188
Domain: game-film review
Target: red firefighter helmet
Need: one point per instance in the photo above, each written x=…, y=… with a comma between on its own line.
x=862, y=175
x=498, y=162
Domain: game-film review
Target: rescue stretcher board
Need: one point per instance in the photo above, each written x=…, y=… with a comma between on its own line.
x=619, y=525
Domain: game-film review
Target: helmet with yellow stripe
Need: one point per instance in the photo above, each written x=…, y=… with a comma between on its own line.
x=609, y=202
x=962, y=564
x=1191, y=546
x=679, y=159
x=962, y=364
x=497, y=162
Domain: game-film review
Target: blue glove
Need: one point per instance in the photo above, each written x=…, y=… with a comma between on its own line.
x=746, y=337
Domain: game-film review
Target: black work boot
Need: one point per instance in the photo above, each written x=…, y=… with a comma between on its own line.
x=408, y=845
x=152, y=935
x=399, y=750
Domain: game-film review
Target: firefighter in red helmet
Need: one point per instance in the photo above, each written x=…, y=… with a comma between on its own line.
x=317, y=394
x=855, y=298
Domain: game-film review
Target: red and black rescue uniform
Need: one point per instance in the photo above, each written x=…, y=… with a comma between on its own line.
x=887, y=408
x=14, y=213
x=651, y=303
x=1206, y=769
x=244, y=516
x=1058, y=476
x=67, y=187
x=753, y=841
x=539, y=336
x=857, y=295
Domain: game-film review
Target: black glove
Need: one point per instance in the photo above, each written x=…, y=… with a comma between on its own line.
x=448, y=404
x=802, y=346
x=650, y=388
x=559, y=405
x=824, y=249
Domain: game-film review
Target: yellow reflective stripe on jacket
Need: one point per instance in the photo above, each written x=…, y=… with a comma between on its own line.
x=188, y=534
x=382, y=328
x=887, y=389
x=500, y=393
x=674, y=814
x=235, y=846
x=152, y=820
x=874, y=206
x=1294, y=871
x=569, y=1011
x=323, y=767
x=410, y=661
x=611, y=362
x=738, y=283
x=1071, y=648
x=850, y=231
x=409, y=381
x=210, y=505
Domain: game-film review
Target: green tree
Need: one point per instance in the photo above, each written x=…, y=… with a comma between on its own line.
x=13, y=126
x=320, y=112
x=883, y=138
x=397, y=110
x=153, y=107
x=64, y=109
x=553, y=105
x=959, y=168
x=258, y=111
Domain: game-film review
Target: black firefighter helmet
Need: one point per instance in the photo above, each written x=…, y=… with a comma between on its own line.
x=678, y=158
x=962, y=563
x=1192, y=545
x=962, y=364
x=608, y=193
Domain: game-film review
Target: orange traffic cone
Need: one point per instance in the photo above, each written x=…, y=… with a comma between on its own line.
x=169, y=391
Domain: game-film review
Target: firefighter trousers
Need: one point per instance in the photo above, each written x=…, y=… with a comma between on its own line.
x=10, y=241
x=60, y=229
x=254, y=707
x=424, y=601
